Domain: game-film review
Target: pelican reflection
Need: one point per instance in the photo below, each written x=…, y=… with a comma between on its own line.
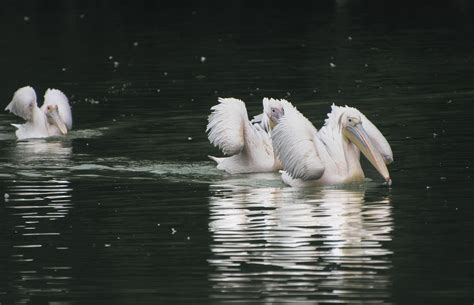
x=38, y=201
x=269, y=242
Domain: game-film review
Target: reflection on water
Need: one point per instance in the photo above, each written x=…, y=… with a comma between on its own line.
x=278, y=242
x=133, y=175
x=40, y=157
x=37, y=199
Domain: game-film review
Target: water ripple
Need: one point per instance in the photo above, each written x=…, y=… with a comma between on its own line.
x=285, y=242
x=36, y=202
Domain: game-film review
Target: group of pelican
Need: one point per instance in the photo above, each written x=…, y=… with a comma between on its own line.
x=283, y=139
x=279, y=139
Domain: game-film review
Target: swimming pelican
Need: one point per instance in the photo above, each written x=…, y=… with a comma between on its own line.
x=54, y=118
x=247, y=144
x=332, y=154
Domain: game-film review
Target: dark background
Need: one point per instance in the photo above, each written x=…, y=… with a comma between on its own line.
x=137, y=155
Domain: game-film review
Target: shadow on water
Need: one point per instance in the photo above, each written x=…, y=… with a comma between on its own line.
x=279, y=243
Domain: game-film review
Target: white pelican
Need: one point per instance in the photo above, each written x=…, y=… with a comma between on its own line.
x=332, y=154
x=247, y=144
x=54, y=118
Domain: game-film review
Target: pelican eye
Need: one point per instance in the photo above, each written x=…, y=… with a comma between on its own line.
x=350, y=120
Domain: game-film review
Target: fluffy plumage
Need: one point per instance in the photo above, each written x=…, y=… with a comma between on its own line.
x=294, y=139
x=57, y=97
x=37, y=125
x=247, y=144
x=311, y=157
x=227, y=123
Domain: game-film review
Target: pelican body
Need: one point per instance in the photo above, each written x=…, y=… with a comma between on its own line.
x=246, y=143
x=332, y=154
x=54, y=118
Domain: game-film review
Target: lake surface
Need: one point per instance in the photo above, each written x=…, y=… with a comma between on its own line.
x=127, y=209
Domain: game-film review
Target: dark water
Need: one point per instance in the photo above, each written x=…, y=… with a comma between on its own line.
x=128, y=210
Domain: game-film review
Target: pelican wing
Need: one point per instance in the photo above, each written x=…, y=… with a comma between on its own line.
x=227, y=125
x=23, y=103
x=294, y=140
x=56, y=97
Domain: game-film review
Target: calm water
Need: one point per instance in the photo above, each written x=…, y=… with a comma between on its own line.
x=128, y=210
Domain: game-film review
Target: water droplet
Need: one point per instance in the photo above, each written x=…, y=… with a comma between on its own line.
x=203, y=59
x=332, y=65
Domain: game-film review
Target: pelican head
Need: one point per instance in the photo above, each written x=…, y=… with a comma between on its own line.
x=274, y=109
x=351, y=124
x=54, y=118
x=275, y=114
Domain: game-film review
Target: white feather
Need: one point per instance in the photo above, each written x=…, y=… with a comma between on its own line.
x=23, y=103
x=268, y=104
x=247, y=143
x=227, y=124
x=56, y=97
x=294, y=141
x=323, y=157
x=330, y=134
x=271, y=102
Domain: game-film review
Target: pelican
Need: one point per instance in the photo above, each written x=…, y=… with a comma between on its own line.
x=247, y=143
x=54, y=118
x=332, y=154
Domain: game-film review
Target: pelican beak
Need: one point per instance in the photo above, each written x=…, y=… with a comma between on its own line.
x=357, y=135
x=56, y=120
